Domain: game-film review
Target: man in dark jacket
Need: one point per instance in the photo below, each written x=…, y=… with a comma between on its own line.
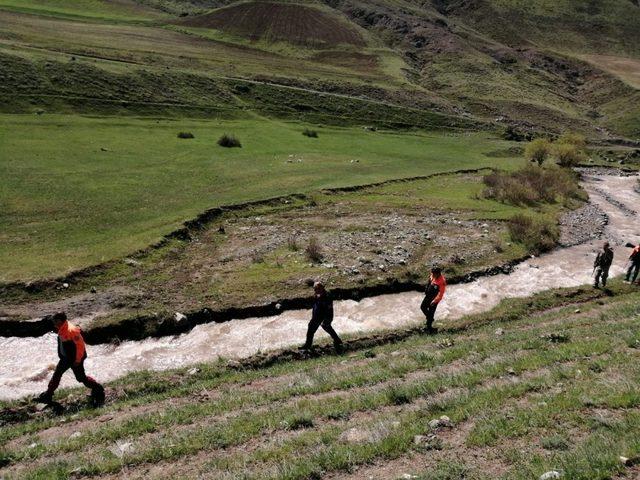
x=322, y=316
x=602, y=264
x=72, y=354
x=434, y=291
x=634, y=258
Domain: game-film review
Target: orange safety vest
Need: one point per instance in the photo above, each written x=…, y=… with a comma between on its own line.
x=68, y=332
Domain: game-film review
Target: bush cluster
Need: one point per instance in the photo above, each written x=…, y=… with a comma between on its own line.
x=569, y=150
x=538, y=235
x=531, y=185
x=229, y=141
x=310, y=133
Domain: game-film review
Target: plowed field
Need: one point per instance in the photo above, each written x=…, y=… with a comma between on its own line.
x=297, y=24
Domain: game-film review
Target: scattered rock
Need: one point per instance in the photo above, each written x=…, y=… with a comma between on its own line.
x=550, y=475
x=442, y=422
x=94, y=290
x=193, y=371
x=577, y=310
x=131, y=262
x=179, y=317
x=33, y=445
x=65, y=285
x=499, y=332
x=41, y=406
x=75, y=435
x=625, y=461
x=556, y=337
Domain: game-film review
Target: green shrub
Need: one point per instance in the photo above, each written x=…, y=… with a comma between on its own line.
x=538, y=235
x=538, y=150
x=310, y=133
x=229, y=141
x=569, y=155
x=576, y=139
x=530, y=185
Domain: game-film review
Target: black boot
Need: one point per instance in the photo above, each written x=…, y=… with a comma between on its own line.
x=97, y=396
x=45, y=397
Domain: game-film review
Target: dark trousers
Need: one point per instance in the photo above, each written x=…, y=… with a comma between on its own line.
x=429, y=310
x=601, y=274
x=326, y=326
x=78, y=371
x=633, y=270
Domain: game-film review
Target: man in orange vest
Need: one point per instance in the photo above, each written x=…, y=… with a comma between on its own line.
x=72, y=354
x=634, y=258
x=434, y=292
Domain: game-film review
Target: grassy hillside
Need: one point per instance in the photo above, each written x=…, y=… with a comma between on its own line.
x=557, y=391
x=83, y=190
x=410, y=65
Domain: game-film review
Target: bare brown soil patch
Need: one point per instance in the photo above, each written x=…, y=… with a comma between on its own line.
x=297, y=24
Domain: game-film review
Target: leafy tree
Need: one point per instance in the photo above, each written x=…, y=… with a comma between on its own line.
x=538, y=150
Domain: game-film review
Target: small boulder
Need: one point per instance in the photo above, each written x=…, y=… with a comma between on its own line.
x=550, y=475
x=179, y=317
x=499, y=332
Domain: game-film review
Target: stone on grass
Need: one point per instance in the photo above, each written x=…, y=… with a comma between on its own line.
x=499, y=332
x=550, y=475
x=179, y=317
x=75, y=435
x=625, y=461
x=193, y=371
x=442, y=422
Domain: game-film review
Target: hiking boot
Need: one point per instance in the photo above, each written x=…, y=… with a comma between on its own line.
x=45, y=397
x=431, y=330
x=97, y=396
x=339, y=347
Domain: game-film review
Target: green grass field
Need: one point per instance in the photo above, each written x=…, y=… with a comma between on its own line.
x=557, y=391
x=80, y=190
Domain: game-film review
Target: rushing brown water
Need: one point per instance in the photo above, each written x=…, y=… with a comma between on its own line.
x=25, y=362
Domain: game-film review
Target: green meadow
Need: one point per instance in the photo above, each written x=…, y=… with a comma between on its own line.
x=79, y=191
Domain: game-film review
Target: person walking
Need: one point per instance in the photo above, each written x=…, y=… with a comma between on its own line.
x=72, y=354
x=322, y=316
x=601, y=265
x=434, y=291
x=634, y=268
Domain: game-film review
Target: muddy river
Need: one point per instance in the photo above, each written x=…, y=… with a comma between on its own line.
x=25, y=363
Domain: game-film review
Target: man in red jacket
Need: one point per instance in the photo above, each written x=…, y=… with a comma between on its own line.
x=434, y=292
x=634, y=258
x=72, y=354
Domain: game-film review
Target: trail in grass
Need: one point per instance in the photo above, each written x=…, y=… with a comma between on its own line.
x=615, y=195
